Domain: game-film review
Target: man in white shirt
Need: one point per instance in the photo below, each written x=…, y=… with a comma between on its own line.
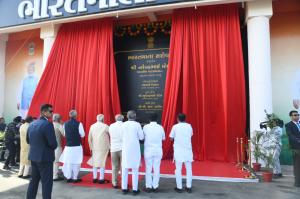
x=72, y=155
x=131, y=151
x=182, y=133
x=154, y=135
x=115, y=133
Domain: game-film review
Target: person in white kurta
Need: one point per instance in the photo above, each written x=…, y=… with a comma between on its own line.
x=182, y=133
x=154, y=135
x=115, y=134
x=24, y=162
x=59, y=134
x=99, y=145
x=72, y=155
x=131, y=151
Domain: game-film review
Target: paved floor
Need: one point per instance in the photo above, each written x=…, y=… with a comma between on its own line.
x=12, y=187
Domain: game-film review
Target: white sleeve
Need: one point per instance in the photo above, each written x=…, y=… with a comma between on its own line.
x=62, y=130
x=280, y=131
x=81, y=130
x=145, y=130
x=172, y=134
x=109, y=130
x=163, y=133
x=140, y=132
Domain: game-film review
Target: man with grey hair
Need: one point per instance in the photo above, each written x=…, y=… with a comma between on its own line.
x=99, y=145
x=59, y=134
x=73, y=153
x=131, y=151
x=115, y=133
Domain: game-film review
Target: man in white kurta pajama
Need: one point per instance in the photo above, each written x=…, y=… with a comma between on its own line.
x=154, y=135
x=99, y=144
x=131, y=152
x=72, y=155
x=182, y=133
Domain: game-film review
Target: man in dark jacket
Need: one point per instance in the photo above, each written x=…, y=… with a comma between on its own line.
x=293, y=132
x=11, y=136
x=42, y=141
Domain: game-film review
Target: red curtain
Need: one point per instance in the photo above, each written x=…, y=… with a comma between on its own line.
x=80, y=74
x=205, y=80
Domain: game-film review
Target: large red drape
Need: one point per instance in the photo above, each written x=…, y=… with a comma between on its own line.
x=80, y=74
x=205, y=80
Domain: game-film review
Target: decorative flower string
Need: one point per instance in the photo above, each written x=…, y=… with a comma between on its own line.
x=149, y=29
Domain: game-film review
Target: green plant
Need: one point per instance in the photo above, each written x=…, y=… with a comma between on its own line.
x=256, y=142
x=268, y=158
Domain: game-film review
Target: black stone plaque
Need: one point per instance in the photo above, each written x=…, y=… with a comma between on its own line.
x=142, y=63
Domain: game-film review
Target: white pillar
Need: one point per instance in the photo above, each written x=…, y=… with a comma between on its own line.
x=48, y=34
x=260, y=79
x=3, y=40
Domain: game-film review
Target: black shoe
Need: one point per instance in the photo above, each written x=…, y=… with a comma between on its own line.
x=20, y=176
x=125, y=191
x=95, y=180
x=178, y=190
x=147, y=190
x=14, y=165
x=275, y=176
x=69, y=180
x=189, y=190
x=136, y=192
x=115, y=186
x=2, y=160
x=77, y=180
x=26, y=177
x=103, y=181
x=58, y=179
x=6, y=167
x=155, y=190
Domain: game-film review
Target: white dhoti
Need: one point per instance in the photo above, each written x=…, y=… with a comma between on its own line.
x=71, y=158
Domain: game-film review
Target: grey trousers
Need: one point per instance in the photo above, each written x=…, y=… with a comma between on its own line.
x=116, y=158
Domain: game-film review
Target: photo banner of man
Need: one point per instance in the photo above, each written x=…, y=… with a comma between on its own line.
x=27, y=90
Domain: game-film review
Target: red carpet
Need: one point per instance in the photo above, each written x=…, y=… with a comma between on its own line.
x=200, y=169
